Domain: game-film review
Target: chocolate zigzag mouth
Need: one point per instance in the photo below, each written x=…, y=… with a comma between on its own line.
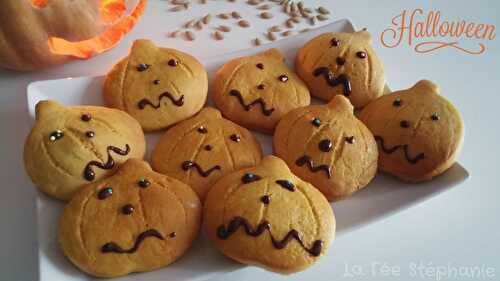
x=247, y=107
x=332, y=81
x=89, y=173
x=186, y=165
x=177, y=102
x=404, y=147
x=112, y=247
x=224, y=232
x=307, y=160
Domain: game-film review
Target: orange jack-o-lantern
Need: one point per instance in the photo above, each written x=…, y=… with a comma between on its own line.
x=53, y=31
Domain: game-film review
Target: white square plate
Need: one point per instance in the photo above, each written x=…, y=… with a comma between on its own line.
x=384, y=196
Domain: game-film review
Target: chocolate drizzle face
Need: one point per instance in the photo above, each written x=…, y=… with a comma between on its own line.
x=250, y=177
x=89, y=173
x=224, y=232
x=186, y=165
x=247, y=107
x=342, y=79
x=286, y=184
x=386, y=150
x=307, y=160
x=112, y=247
x=177, y=102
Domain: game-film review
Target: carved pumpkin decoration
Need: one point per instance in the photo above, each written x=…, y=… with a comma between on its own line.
x=419, y=132
x=53, y=31
x=328, y=146
x=267, y=216
x=69, y=147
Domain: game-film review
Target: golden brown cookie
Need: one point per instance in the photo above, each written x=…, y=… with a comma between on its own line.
x=256, y=91
x=419, y=132
x=267, y=216
x=204, y=148
x=342, y=64
x=327, y=146
x=136, y=220
x=157, y=86
x=69, y=147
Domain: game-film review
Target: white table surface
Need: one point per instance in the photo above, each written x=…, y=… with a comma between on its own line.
x=459, y=228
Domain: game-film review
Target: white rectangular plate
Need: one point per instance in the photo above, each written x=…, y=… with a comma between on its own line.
x=383, y=197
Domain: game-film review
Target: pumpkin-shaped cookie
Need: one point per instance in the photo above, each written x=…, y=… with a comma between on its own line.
x=69, y=147
x=419, y=132
x=327, y=146
x=256, y=91
x=202, y=149
x=157, y=86
x=136, y=220
x=342, y=64
x=267, y=216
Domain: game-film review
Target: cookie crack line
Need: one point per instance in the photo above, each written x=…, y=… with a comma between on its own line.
x=89, y=173
x=247, y=107
x=177, y=102
x=342, y=79
x=307, y=160
x=224, y=232
x=112, y=247
x=405, y=148
x=186, y=165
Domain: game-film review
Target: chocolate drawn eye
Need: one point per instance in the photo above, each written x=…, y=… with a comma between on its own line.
x=156, y=81
x=86, y=117
x=283, y=78
x=334, y=42
x=142, y=67
x=235, y=138
x=266, y=199
x=208, y=147
x=202, y=130
x=435, y=117
x=261, y=87
x=404, y=124
x=260, y=66
x=316, y=121
x=286, y=184
x=325, y=145
x=397, y=102
x=128, y=209
x=250, y=177
x=350, y=139
x=143, y=183
x=361, y=55
x=105, y=193
x=58, y=134
x=173, y=62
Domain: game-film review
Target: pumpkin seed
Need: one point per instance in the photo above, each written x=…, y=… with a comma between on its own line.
x=308, y=10
x=293, y=7
x=300, y=5
x=264, y=7
x=224, y=28
x=287, y=33
x=235, y=15
x=189, y=24
x=274, y=29
x=296, y=19
x=173, y=34
x=218, y=36
x=271, y=36
x=266, y=15
x=323, y=11
x=254, y=2
x=207, y=18
x=190, y=35
x=203, y=1
x=199, y=25
x=289, y=23
x=305, y=30
x=179, y=2
x=244, y=23
x=312, y=20
x=177, y=8
x=322, y=17
x=223, y=16
x=256, y=42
